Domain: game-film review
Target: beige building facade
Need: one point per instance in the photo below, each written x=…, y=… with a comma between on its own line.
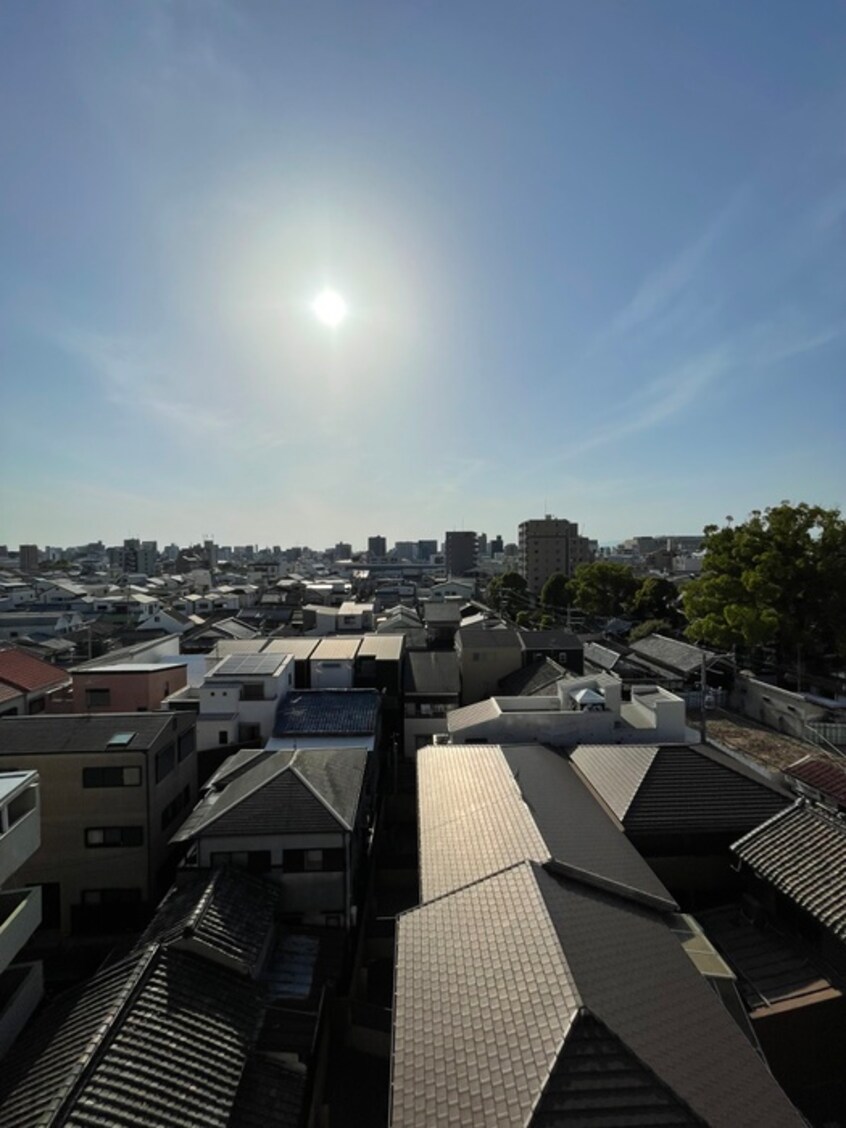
x=548, y=545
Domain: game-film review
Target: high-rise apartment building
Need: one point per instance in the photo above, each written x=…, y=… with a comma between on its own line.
x=377, y=548
x=28, y=557
x=426, y=549
x=461, y=552
x=550, y=545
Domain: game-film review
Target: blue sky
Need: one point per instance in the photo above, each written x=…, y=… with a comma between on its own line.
x=593, y=253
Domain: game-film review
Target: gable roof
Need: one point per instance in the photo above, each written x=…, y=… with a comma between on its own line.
x=310, y=791
x=482, y=807
x=675, y=655
x=532, y=679
x=493, y=980
x=554, y=639
x=801, y=852
x=339, y=712
x=27, y=673
x=158, y=1038
x=677, y=789
x=226, y=916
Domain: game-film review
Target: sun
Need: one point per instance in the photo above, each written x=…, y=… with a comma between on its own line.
x=329, y=308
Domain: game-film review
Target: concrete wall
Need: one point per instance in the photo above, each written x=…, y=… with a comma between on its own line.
x=779, y=708
x=128, y=692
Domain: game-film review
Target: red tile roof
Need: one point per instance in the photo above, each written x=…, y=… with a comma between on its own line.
x=27, y=673
x=826, y=777
x=8, y=692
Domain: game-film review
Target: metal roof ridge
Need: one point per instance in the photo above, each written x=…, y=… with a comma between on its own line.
x=557, y=868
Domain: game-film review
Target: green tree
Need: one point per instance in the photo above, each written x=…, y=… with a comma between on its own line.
x=777, y=580
x=555, y=593
x=603, y=588
x=507, y=593
x=650, y=626
x=656, y=598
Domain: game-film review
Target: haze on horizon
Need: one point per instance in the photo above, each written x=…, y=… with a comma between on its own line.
x=592, y=256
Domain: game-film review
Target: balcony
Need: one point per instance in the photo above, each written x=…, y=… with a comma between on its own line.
x=20, y=915
x=21, y=989
x=20, y=829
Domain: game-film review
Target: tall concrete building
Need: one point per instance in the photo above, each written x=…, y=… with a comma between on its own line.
x=377, y=548
x=28, y=557
x=550, y=545
x=426, y=549
x=461, y=552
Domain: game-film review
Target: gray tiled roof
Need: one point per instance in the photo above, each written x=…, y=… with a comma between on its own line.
x=494, y=980
x=550, y=640
x=802, y=853
x=314, y=712
x=677, y=789
x=479, y=638
x=468, y=716
x=310, y=791
x=432, y=673
x=672, y=653
x=537, y=676
x=160, y=1038
x=85, y=732
x=226, y=916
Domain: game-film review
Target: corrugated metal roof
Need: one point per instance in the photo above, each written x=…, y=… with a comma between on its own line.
x=336, y=650
x=468, y=716
x=802, y=853
x=384, y=648
x=477, y=638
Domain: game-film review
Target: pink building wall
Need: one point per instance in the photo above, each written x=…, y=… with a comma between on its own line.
x=128, y=692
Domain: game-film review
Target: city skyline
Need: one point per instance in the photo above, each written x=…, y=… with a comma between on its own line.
x=586, y=260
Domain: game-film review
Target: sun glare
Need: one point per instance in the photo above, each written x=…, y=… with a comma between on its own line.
x=329, y=308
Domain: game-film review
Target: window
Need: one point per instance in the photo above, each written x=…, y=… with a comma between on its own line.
x=252, y=691
x=114, y=836
x=111, y=777
x=165, y=762
x=223, y=737
x=98, y=698
x=313, y=860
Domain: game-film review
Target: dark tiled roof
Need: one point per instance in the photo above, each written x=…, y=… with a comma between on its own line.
x=227, y=916
x=677, y=789
x=86, y=732
x=823, y=775
x=9, y=693
x=160, y=1038
x=271, y=1095
x=629, y=1093
x=310, y=791
x=770, y=969
x=601, y=655
x=432, y=672
x=478, y=638
x=550, y=640
x=802, y=853
x=672, y=653
x=340, y=712
x=542, y=674
x=24, y=672
x=493, y=979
